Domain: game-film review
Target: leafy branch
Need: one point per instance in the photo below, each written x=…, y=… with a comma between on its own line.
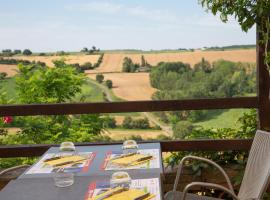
x=248, y=13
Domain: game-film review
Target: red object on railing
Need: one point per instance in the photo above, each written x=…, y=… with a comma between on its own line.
x=7, y=119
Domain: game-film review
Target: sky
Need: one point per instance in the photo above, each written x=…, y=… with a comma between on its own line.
x=70, y=25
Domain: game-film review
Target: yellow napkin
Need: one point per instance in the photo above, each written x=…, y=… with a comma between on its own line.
x=65, y=159
x=126, y=195
x=128, y=160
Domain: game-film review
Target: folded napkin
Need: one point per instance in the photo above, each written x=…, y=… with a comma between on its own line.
x=130, y=194
x=131, y=160
x=65, y=160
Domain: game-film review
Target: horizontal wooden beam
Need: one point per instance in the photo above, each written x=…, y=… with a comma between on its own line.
x=130, y=106
x=9, y=151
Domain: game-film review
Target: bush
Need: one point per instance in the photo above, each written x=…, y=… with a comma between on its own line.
x=17, y=51
x=109, y=122
x=182, y=128
x=3, y=75
x=42, y=54
x=27, y=52
x=127, y=123
x=130, y=123
x=109, y=84
x=99, y=78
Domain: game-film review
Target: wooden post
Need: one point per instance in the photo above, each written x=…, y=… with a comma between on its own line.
x=263, y=87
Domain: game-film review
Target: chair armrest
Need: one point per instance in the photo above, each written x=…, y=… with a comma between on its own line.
x=211, y=185
x=13, y=168
x=204, y=160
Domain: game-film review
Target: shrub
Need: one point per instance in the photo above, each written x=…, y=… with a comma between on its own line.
x=17, y=51
x=3, y=75
x=127, y=123
x=109, y=83
x=181, y=129
x=99, y=78
x=109, y=122
x=27, y=52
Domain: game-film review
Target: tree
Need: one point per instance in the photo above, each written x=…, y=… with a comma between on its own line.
x=3, y=75
x=17, y=51
x=84, y=50
x=109, y=83
x=127, y=123
x=182, y=128
x=143, y=61
x=204, y=65
x=109, y=122
x=37, y=84
x=27, y=52
x=99, y=78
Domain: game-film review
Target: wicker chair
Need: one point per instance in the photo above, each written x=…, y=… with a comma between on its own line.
x=255, y=180
x=11, y=173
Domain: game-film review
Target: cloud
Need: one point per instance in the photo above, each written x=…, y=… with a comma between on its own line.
x=100, y=7
x=116, y=8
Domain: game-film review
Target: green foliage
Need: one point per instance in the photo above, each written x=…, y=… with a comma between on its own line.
x=27, y=52
x=3, y=75
x=129, y=66
x=109, y=83
x=221, y=79
x=182, y=129
x=36, y=84
x=236, y=158
x=109, y=122
x=130, y=123
x=99, y=78
x=248, y=13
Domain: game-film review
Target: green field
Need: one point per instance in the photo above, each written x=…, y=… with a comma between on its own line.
x=225, y=119
x=90, y=93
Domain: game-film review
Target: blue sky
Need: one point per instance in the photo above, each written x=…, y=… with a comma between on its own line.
x=70, y=25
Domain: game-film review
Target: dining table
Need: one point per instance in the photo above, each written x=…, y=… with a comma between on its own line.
x=37, y=183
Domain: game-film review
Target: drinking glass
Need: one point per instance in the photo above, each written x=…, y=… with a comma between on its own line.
x=130, y=146
x=63, y=179
x=120, y=179
x=67, y=147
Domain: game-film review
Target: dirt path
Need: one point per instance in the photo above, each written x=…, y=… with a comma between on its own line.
x=154, y=120
x=149, y=116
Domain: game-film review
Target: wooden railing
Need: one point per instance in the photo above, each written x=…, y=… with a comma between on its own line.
x=260, y=102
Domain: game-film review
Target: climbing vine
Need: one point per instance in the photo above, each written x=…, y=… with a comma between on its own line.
x=248, y=13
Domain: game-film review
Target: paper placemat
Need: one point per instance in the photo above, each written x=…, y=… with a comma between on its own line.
x=110, y=164
x=79, y=162
x=150, y=185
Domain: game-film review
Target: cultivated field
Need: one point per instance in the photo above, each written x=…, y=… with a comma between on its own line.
x=130, y=86
x=9, y=69
x=118, y=134
x=70, y=59
x=112, y=62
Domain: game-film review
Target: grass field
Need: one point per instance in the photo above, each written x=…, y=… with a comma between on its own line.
x=9, y=87
x=226, y=119
x=90, y=93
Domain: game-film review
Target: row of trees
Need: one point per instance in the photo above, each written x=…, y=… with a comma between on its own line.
x=9, y=52
x=88, y=65
x=90, y=51
x=100, y=79
x=129, y=66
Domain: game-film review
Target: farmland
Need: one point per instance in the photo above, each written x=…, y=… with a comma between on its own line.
x=135, y=86
x=113, y=62
x=130, y=86
x=70, y=59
